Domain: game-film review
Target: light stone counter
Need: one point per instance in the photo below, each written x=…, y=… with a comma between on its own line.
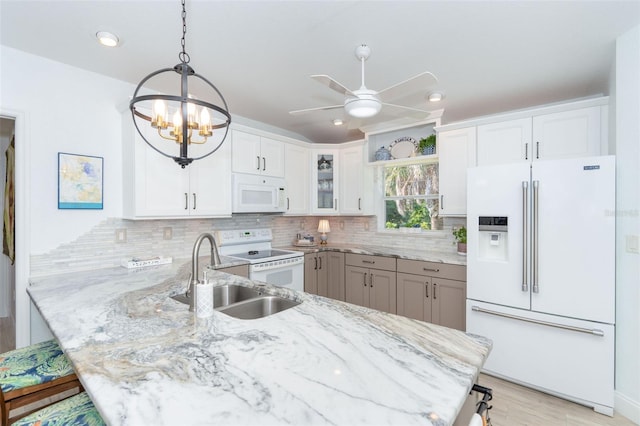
x=145, y=359
x=401, y=253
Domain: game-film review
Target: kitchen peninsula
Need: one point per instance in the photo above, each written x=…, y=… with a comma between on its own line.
x=145, y=359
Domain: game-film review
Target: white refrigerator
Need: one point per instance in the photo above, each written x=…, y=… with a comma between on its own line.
x=541, y=274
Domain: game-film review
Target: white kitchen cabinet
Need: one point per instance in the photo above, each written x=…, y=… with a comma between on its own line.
x=504, y=142
x=324, y=181
x=565, y=134
x=155, y=186
x=457, y=151
x=258, y=155
x=352, y=196
x=296, y=176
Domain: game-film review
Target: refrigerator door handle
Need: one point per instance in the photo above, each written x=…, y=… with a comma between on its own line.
x=534, y=246
x=594, y=331
x=525, y=242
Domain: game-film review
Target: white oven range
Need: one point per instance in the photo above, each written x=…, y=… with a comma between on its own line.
x=283, y=268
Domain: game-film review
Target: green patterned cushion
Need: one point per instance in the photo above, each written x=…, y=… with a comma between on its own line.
x=33, y=365
x=75, y=411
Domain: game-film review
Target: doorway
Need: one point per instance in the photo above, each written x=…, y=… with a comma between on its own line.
x=7, y=267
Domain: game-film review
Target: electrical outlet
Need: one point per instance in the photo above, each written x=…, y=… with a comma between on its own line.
x=302, y=224
x=366, y=226
x=167, y=233
x=632, y=244
x=342, y=224
x=121, y=235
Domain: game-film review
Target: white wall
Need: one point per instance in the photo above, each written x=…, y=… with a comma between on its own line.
x=627, y=113
x=69, y=110
x=59, y=109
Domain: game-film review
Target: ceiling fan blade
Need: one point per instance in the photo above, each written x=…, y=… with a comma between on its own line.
x=332, y=84
x=406, y=108
x=411, y=85
x=304, y=111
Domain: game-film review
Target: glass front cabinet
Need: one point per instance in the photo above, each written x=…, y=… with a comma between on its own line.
x=325, y=181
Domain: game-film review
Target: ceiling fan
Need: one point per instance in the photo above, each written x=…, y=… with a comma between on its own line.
x=365, y=103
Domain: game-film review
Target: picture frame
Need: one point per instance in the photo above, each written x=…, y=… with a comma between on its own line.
x=80, y=181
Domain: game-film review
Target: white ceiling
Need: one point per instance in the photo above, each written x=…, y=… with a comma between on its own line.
x=489, y=56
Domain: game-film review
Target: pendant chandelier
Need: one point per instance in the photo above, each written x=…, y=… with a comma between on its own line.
x=170, y=124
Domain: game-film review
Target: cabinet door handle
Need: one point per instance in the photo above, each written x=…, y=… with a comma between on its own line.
x=442, y=202
x=537, y=150
x=194, y=200
x=186, y=201
x=359, y=203
x=370, y=262
x=335, y=204
x=426, y=289
x=430, y=270
x=434, y=291
x=258, y=157
x=365, y=279
x=288, y=203
x=316, y=267
x=320, y=263
x=526, y=151
x=371, y=280
x=264, y=164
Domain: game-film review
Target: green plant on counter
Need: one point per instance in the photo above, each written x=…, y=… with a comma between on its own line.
x=460, y=234
x=427, y=145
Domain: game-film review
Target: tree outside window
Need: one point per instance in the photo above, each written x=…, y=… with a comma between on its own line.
x=411, y=196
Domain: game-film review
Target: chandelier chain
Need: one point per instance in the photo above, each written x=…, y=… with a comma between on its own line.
x=184, y=56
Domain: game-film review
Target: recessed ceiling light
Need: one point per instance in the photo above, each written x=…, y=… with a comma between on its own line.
x=106, y=38
x=435, y=97
x=338, y=122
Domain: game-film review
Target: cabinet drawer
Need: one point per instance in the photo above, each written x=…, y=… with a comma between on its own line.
x=374, y=262
x=433, y=269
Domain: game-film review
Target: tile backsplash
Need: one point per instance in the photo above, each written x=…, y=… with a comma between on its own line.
x=114, y=240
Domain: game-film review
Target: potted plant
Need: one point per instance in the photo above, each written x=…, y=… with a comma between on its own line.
x=427, y=145
x=460, y=234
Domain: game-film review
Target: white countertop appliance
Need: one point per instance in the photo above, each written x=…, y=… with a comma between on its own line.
x=541, y=274
x=278, y=267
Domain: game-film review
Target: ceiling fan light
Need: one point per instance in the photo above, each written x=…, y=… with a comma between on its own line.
x=362, y=108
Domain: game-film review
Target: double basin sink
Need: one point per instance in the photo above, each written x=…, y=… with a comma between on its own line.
x=244, y=302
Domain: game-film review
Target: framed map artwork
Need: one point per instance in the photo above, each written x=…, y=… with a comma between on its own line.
x=79, y=181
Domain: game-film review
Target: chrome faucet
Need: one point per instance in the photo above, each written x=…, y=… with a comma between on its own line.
x=215, y=260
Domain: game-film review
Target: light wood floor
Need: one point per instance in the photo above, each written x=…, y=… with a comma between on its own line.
x=515, y=405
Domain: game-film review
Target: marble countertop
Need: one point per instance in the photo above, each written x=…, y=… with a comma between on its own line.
x=401, y=253
x=145, y=359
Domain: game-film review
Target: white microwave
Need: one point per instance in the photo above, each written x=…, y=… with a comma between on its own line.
x=257, y=194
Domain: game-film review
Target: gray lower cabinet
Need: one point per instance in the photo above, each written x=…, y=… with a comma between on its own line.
x=324, y=274
x=425, y=294
x=371, y=281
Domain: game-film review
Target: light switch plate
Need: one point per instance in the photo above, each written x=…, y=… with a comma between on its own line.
x=121, y=235
x=167, y=233
x=632, y=244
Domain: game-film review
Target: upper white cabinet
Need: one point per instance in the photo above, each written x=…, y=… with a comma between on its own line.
x=564, y=134
x=354, y=200
x=296, y=176
x=257, y=154
x=155, y=186
x=324, y=181
x=457, y=151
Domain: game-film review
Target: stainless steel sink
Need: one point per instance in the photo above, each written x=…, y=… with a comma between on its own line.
x=244, y=302
x=225, y=295
x=259, y=307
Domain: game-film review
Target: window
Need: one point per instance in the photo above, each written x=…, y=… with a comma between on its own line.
x=411, y=196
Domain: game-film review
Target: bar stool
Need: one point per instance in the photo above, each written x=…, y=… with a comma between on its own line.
x=31, y=374
x=76, y=410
